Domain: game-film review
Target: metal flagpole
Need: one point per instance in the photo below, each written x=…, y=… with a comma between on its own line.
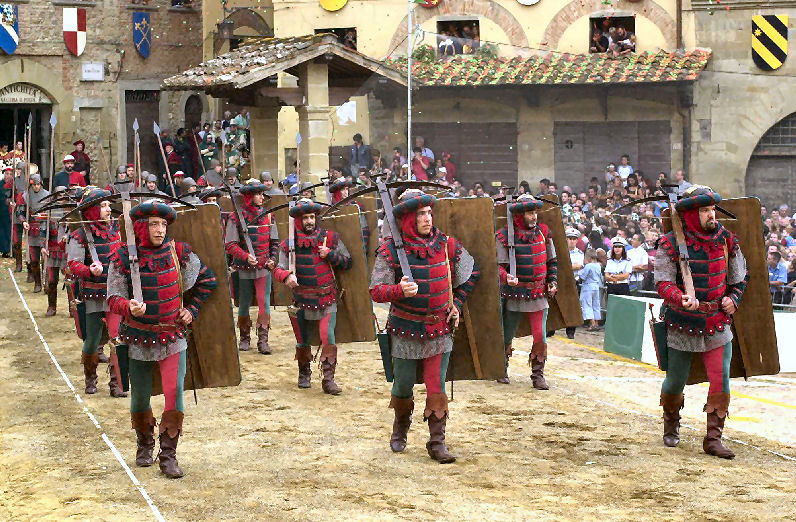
x=409, y=45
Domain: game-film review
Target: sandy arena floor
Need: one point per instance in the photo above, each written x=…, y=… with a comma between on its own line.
x=589, y=448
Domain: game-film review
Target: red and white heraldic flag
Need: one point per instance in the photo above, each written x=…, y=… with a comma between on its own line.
x=75, y=29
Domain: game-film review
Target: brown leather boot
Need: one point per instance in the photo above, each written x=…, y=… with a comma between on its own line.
x=716, y=407
x=101, y=352
x=16, y=249
x=90, y=362
x=52, y=298
x=115, y=381
x=245, y=332
x=507, y=354
x=672, y=404
x=263, y=325
x=328, y=365
x=403, y=419
x=436, y=413
x=536, y=360
x=30, y=273
x=304, y=357
x=170, y=429
x=143, y=423
x=35, y=269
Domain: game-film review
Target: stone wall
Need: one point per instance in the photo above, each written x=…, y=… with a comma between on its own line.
x=735, y=102
x=87, y=110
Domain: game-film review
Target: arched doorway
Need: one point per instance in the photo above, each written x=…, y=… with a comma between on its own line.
x=193, y=111
x=771, y=172
x=18, y=102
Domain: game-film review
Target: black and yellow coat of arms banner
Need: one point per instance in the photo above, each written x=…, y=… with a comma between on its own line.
x=769, y=41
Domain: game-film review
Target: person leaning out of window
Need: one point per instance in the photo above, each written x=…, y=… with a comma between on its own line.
x=618, y=268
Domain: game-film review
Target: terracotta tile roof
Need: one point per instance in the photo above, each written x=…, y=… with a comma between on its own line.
x=560, y=68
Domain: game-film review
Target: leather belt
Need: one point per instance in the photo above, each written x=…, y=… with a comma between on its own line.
x=313, y=291
x=533, y=285
x=709, y=306
x=148, y=327
x=426, y=318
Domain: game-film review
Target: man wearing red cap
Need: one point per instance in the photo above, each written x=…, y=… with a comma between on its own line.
x=155, y=329
x=317, y=252
x=525, y=293
x=254, y=271
x=82, y=162
x=423, y=314
x=92, y=281
x=699, y=323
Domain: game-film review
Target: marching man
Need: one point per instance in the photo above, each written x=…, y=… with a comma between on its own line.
x=700, y=323
x=155, y=329
x=254, y=271
x=526, y=292
x=317, y=252
x=28, y=203
x=423, y=314
x=55, y=256
x=97, y=236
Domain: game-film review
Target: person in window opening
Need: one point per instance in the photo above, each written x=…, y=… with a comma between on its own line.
x=623, y=43
x=350, y=39
x=599, y=42
x=618, y=268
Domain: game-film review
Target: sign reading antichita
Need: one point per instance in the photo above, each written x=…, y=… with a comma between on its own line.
x=22, y=93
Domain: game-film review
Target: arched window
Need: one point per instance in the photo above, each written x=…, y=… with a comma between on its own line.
x=193, y=111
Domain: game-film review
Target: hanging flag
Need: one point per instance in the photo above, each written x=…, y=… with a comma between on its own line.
x=769, y=41
x=75, y=29
x=142, y=33
x=9, y=28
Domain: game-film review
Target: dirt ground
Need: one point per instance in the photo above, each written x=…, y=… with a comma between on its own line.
x=589, y=448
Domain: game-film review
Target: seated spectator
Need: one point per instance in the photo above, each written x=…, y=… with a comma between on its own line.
x=524, y=188
x=591, y=282
x=777, y=276
x=788, y=297
x=420, y=143
x=682, y=184
x=633, y=189
x=610, y=174
x=544, y=186
x=449, y=166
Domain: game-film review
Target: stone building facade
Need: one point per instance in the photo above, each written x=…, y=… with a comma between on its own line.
x=91, y=94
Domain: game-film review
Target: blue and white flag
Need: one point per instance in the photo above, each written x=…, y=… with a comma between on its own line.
x=142, y=33
x=9, y=28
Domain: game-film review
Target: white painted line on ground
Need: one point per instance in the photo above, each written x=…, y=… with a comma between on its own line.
x=88, y=413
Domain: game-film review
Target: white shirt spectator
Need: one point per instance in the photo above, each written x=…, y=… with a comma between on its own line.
x=624, y=171
x=638, y=256
x=576, y=257
x=682, y=186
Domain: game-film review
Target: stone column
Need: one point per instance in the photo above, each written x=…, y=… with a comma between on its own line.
x=314, y=124
x=264, y=134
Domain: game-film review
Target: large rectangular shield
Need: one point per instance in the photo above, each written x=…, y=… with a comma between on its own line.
x=565, y=306
x=354, y=307
x=478, y=343
x=212, y=346
x=281, y=295
x=754, y=343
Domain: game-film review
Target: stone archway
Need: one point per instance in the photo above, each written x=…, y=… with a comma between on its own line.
x=243, y=17
x=576, y=9
x=489, y=9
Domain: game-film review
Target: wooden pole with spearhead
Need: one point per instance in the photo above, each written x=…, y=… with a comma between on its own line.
x=291, y=240
x=137, y=152
x=510, y=232
x=163, y=155
x=26, y=193
x=132, y=250
x=53, y=121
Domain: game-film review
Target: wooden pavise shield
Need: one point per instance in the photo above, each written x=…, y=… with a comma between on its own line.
x=477, y=351
x=564, y=308
x=754, y=340
x=212, y=345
